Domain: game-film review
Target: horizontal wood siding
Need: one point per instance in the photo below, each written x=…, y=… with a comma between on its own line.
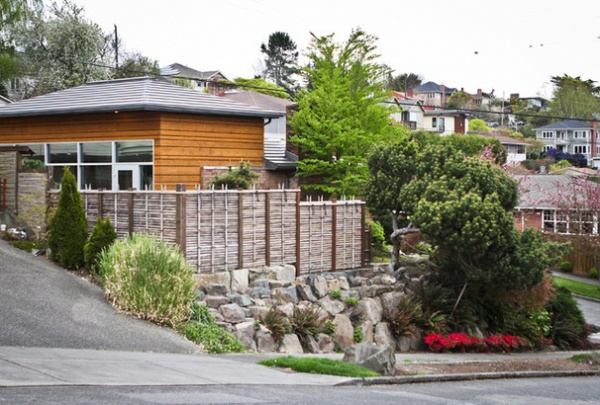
x=188, y=143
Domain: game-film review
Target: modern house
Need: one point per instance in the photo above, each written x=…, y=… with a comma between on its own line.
x=207, y=81
x=570, y=136
x=433, y=94
x=516, y=150
x=136, y=133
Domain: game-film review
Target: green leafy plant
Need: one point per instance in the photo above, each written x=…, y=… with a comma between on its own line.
x=103, y=235
x=335, y=294
x=403, y=319
x=328, y=327
x=567, y=322
x=358, y=335
x=593, y=273
x=351, y=301
x=565, y=266
x=278, y=323
x=148, y=278
x=202, y=329
x=68, y=226
x=240, y=178
x=32, y=164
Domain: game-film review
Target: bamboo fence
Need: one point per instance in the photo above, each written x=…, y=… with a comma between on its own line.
x=221, y=230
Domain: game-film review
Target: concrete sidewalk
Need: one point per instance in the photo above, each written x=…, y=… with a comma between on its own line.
x=20, y=367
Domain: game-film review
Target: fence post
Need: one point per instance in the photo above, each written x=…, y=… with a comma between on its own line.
x=298, y=234
x=180, y=221
x=365, y=235
x=333, y=234
x=268, y=228
x=130, y=213
x=240, y=230
x=101, y=203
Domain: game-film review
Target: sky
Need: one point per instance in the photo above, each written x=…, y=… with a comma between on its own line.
x=509, y=46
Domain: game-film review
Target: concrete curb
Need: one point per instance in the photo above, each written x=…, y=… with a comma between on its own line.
x=465, y=377
x=583, y=297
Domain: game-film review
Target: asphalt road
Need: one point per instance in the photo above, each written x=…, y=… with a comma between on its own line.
x=42, y=305
x=547, y=391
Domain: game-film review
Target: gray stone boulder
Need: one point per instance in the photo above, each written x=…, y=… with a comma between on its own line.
x=318, y=285
x=286, y=274
x=215, y=301
x=232, y=313
x=245, y=333
x=291, y=345
x=305, y=293
x=344, y=331
x=241, y=299
x=239, y=280
x=333, y=307
x=383, y=335
x=326, y=343
x=265, y=343
x=215, y=289
x=379, y=358
x=371, y=310
x=286, y=294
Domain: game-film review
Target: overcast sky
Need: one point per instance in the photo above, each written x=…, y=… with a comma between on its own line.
x=509, y=46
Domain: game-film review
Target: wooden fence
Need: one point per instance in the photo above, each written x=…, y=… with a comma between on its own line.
x=219, y=230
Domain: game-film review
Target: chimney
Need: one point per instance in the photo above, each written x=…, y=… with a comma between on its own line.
x=443, y=100
x=409, y=92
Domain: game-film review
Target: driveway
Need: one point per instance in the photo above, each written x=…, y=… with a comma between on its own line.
x=42, y=305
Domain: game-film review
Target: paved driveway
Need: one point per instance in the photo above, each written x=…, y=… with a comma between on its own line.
x=42, y=305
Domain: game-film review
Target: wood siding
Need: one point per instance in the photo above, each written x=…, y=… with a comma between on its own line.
x=183, y=143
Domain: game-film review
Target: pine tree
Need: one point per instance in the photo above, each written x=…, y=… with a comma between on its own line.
x=281, y=57
x=68, y=227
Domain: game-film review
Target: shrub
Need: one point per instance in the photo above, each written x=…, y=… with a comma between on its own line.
x=351, y=301
x=593, y=273
x=567, y=322
x=403, y=319
x=278, y=323
x=328, y=328
x=148, y=278
x=460, y=342
x=306, y=322
x=103, y=235
x=235, y=179
x=335, y=294
x=68, y=226
x=358, y=335
x=202, y=329
x=566, y=266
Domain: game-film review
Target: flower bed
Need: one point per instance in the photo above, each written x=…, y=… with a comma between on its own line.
x=460, y=342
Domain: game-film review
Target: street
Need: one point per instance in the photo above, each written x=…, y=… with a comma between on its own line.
x=547, y=391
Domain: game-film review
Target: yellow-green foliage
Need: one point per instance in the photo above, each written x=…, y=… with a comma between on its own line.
x=148, y=278
x=103, y=235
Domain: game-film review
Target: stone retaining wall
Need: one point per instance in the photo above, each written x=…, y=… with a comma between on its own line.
x=240, y=299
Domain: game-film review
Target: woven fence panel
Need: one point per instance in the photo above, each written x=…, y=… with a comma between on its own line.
x=348, y=236
x=315, y=237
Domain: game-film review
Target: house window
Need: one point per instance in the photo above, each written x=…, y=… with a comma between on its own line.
x=583, y=149
x=62, y=153
x=580, y=135
x=96, y=152
x=548, y=224
x=548, y=134
x=434, y=122
x=430, y=95
x=134, y=151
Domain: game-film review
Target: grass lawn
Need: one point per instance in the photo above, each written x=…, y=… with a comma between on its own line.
x=318, y=365
x=577, y=287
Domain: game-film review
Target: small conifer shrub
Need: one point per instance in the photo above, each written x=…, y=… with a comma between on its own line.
x=68, y=226
x=103, y=235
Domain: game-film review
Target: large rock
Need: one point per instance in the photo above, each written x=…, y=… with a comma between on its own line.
x=287, y=309
x=286, y=294
x=261, y=283
x=286, y=273
x=390, y=301
x=215, y=301
x=241, y=299
x=215, y=289
x=239, y=280
x=260, y=292
x=258, y=311
x=344, y=332
x=333, y=307
x=245, y=332
x=222, y=277
x=367, y=331
x=371, y=310
x=318, y=285
x=383, y=335
x=232, y=313
x=312, y=346
x=265, y=343
x=291, y=345
x=326, y=343
x=379, y=358
x=305, y=293
x=403, y=343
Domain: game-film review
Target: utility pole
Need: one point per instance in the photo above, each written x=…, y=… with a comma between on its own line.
x=116, y=47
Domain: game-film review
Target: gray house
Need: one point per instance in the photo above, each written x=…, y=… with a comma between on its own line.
x=570, y=136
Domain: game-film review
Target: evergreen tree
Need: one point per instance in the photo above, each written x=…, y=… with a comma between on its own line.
x=281, y=58
x=103, y=235
x=68, y=227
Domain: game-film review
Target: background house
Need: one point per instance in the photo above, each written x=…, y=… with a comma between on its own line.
x=410, y=112
x=445, y=122
x=570, y=136
x=516, y=150
x=207, y=81
x=433, y=94
x=135, y=133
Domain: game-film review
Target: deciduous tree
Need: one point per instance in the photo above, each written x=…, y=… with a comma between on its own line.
x=575, y=98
